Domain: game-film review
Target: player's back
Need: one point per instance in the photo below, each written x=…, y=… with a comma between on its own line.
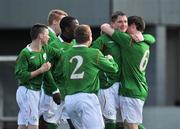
x=81, y=66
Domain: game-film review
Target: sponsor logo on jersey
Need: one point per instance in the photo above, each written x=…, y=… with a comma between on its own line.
x=45, y=56
x=32, y=57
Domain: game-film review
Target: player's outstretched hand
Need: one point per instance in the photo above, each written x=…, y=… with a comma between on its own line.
x=57, y=98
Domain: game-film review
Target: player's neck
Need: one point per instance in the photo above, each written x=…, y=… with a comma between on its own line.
x=35, y=46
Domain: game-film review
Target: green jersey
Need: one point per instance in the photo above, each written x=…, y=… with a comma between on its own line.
x=49, y=82
x=61, y=46
x=107, y=46
x=80, y=66
x=29, y=61
x=53, y=38
x=134, y=61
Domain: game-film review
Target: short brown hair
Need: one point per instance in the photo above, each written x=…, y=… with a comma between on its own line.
x=55, y=15
x=138, y=21
x=36, y=29
x=82, y=33
x=115, y=15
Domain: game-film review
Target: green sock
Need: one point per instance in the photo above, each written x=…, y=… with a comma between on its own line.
x=141, y=126
x=110, y=125
x=119, y=125
x=52, y=126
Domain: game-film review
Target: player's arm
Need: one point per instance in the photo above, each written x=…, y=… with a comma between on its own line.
x=54, y=90
x=106, y=64
x=123, y=39
x=21, y=68
x=58, y=72
x=98, y=43
x=139, y=37
x=53, y=52
x=149, y=39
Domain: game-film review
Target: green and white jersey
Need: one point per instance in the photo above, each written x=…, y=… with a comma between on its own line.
x=108, y=46
x=53, y=38
x=134, y=61
x=62, y=46
x=80, y=66
x=49, y=82
x=29, y=61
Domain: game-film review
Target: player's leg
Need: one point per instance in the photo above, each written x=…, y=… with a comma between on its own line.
x=28, y=101
x=108, y=100
x=141, y=126
x=131, y=111
x=42, y=123
x=32, y=127
x=46, y=125
x=22, y=127
x=84, y=113
x=119, y=125
x=48, y=111
x=71, y=126
x=110, y=124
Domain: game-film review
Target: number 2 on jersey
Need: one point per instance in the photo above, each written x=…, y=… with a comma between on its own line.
x=74, y=74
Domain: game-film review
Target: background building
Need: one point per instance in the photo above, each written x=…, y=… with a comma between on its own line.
x=163, y=21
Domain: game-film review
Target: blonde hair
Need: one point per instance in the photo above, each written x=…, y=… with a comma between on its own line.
x=55, y=14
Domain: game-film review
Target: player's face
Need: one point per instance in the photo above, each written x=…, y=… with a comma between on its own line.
x=45, y=36
x=121, y=23
x=131, y=29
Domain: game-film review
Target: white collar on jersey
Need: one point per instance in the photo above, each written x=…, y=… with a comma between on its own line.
x=49, y=28
x=60, y=38
x=28, y=47
x=80, y=45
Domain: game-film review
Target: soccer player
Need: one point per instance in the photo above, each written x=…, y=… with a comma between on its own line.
x=108, y=95
x=80, y=66
x=67, y=25
x=54, y=18
x=31, y=65
x=134, y=57
x=48, y=108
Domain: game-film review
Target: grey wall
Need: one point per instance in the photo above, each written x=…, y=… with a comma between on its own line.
x=154, y=11
x=24, y=13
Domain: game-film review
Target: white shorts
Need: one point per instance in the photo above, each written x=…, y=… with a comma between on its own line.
x=28, y=102
x=131, y=109
x=108, y=99
x=52, y=112
x=84, y=111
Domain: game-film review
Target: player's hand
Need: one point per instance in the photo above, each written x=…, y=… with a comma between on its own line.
x=57, y=98
x=45, y=67
x=137, y=37
x=109, y=57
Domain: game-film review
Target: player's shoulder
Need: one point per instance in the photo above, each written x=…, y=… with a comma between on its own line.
x=93, y=49
x=104, y=37
x=24, y=50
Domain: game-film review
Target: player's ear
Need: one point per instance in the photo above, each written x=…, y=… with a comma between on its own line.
x=40, y=36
